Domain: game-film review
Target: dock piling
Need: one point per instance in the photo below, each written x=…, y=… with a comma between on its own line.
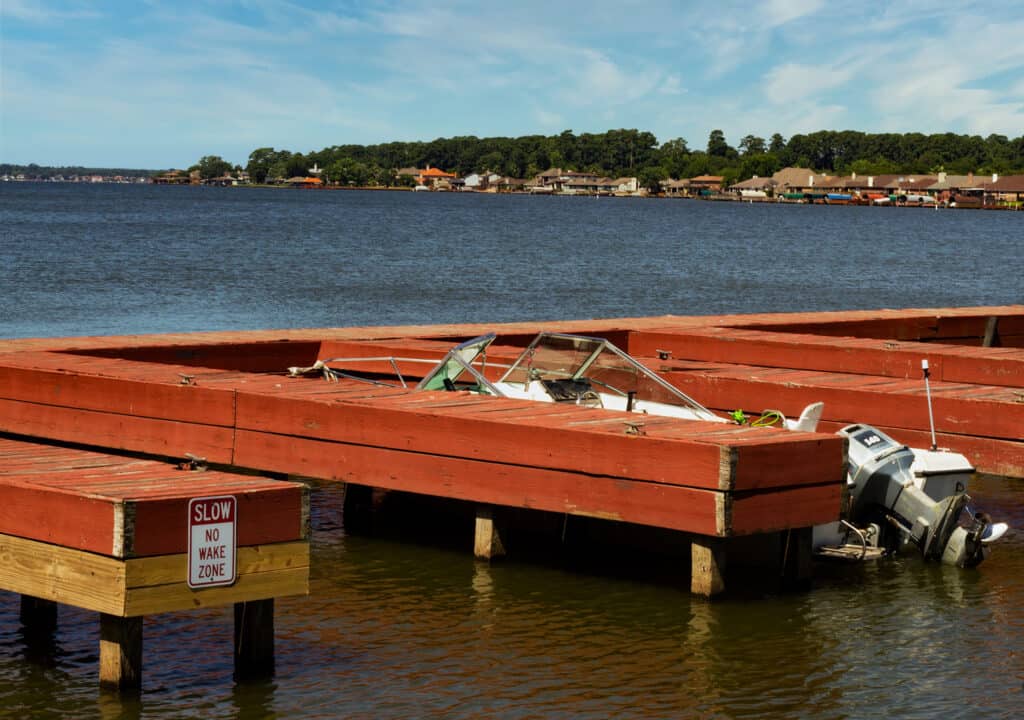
x=120, y=652
x=39, y=616
x=487, y=542
x=254, y=639
x=708, y=561
x=797, y=558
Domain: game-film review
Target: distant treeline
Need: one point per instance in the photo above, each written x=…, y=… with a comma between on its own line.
x=46, y=172
x=617, y=153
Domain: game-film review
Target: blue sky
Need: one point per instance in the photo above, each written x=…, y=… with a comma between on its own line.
x=157, y=84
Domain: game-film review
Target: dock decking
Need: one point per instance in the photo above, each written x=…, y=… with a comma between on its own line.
x=111, y=534
x=226, y=397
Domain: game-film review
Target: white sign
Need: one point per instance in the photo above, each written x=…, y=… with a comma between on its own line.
x=211, y=541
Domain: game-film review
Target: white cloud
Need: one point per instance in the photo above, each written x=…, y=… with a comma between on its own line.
x=284, y=73
x=943, y=82
x=551, y=121
x=775, y=13
x=671, y=86
x=40, y=13
x=597, y=80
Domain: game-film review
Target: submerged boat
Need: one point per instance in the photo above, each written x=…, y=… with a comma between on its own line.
x=900, y=497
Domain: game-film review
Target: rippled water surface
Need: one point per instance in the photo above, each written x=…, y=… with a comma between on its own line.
x=402, y=624
x=105, y=259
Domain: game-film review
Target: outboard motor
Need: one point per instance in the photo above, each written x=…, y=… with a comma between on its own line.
x=915, y=496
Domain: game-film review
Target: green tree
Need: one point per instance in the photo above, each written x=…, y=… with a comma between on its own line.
x=718, y=147
x=651, y=177
x=211, y=166
x=674, y=156
x=296, y=165
x=752, y=145
x=259, y=164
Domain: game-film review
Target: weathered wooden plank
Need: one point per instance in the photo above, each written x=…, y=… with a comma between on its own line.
x=166, y=399
x=122, y=432
x=144, y=586
x=45, y=515
x=140, y=527
x=178, y=596
x=771, y=510
x=264, y=516
x=998, y=368
x=170, y=569
x=816, y=456
x=802, y=352
x=127, y=506
x=682, y=508
x=511, y=443
x=64, y=575
x=241, y=355
x=858, y=356
x=903, y=409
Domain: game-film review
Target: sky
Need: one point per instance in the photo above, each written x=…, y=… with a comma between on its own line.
x=160, y=83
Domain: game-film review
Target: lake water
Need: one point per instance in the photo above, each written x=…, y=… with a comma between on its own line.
x=402, y=624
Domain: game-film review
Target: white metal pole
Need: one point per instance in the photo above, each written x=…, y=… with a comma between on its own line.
x=928, y=393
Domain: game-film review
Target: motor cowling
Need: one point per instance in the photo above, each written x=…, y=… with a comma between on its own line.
x=915, y=497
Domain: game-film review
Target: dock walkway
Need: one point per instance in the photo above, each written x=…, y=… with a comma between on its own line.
x=110, y=533
x=226, y=397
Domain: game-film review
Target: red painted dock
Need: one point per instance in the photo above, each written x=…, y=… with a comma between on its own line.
x=704, y=478
x=129, y=537
x=224, y=396
x=126, y=507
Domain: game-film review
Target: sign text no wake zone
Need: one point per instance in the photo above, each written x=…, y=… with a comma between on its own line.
x=212, y=524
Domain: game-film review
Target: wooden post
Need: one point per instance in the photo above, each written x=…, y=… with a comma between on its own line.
x=487, y=543
x=254, y=639
x=707, y=561
x=38, y=616
x=357, y=508
x=991, y=338
x=797, y=558
x=120, y=652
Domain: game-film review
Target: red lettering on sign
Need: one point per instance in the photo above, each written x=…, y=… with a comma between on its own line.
x=213, y=511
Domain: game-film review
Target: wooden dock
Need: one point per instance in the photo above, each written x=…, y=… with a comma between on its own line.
x=226, y=397
x=111, y=534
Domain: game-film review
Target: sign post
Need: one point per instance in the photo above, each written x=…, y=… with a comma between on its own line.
x=212, y=545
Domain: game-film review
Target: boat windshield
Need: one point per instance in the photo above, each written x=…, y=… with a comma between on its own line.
x=456, y=371
x=554, y=357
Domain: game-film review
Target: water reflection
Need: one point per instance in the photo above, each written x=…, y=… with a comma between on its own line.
x=406, y=628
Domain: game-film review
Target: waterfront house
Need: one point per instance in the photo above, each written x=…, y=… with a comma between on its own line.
x=222, y=181
x=1008, y=190
x=569, y=182
x=626, y=185
x=432, y=176
x=676, y=188
x=510, y=184
x=172, y=177
x=911, y=184
x=706, y=184
x=755, y=187
x=947, y=186
x=548, y=179
x=478, y=181
x=800, y=180
x=304, y=182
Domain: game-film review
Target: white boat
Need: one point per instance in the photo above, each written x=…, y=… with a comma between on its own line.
x=899, y=496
